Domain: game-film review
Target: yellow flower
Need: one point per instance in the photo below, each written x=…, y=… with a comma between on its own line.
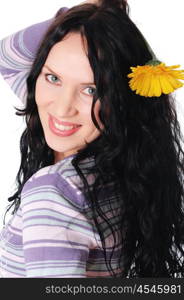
x=155, y=78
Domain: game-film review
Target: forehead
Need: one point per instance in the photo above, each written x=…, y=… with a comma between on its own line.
x=70, y=56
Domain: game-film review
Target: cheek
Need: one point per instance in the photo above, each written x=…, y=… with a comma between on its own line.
x=41, y=93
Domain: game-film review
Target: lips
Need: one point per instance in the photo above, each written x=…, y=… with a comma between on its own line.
x=64, y=123
x=60, y=132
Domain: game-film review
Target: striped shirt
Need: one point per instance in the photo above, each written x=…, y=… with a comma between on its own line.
x=50, y=235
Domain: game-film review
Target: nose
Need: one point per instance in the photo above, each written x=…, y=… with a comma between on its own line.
x=65, y=103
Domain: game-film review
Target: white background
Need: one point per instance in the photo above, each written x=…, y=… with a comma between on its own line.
x=161, y=22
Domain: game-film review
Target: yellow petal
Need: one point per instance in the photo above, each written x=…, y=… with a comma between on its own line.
x=174, y=82
x=157, y=87
x=165, y=85
x=146, y=86
x=140, y=83
x=173, y=67
x=151, y=92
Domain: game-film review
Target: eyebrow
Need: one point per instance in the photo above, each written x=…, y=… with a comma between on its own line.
x=45, y=66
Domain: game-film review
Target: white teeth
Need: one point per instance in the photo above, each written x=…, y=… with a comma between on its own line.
x=62, y=127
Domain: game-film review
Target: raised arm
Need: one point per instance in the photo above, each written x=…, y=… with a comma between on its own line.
x=17, y=53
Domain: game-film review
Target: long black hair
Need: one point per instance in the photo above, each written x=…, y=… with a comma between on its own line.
x=139, y=150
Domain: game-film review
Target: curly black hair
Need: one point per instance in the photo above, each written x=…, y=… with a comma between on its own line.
x=139, y=149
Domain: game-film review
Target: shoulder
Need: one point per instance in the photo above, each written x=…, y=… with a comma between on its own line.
x=59, y=179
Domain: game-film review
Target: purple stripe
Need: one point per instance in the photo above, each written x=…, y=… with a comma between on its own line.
x=15, y=44
x=54, y=263
x=51, y=253
x=15, y=228
x=40, y=191
x=27, y=226
x=53, y=241
x=56, y=267
x=20, y=256
x=9, y=265
x=48, y=179
x=48, y=200
x=7, y=71
x=55, y=219
x=69, y=275
x=5, y=56
x=9, y=276
x=15, y=239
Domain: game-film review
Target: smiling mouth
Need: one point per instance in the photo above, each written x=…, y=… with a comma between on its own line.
x=63, y=124
x=62, y=130
x=63, y=127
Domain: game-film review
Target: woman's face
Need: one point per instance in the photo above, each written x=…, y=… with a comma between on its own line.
x=64, y=94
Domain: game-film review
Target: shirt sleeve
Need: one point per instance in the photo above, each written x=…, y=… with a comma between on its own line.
x=17, y=53
x=56, y=235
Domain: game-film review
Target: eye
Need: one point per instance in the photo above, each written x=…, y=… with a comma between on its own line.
x=51, y=78
x=91, y=90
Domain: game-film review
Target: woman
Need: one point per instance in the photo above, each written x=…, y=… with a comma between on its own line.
x=100, y=190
